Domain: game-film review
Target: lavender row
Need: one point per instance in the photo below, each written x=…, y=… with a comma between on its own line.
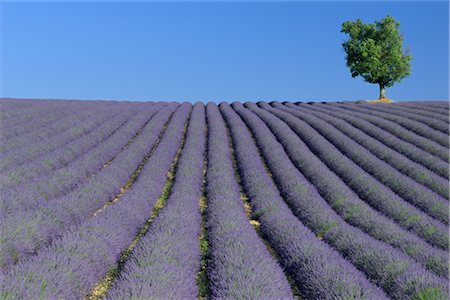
x=348, y=205
x=15, y=116
x=12, y=133
x=20, y=106
x=64, y=180
x=35, y=150
x=416, y=127
x=27, y=231
x=387, y=166
x=9, y=147
x=317, y=269
x=40, y=110
x=36, y=124
x=239, y=264
x=38, y=119
x=420, y=196
x=431, y=121
x=57, y=128
x=166, y=260
x=354, y=210
x=423, y=111
x=430, y=103
x=425, y=107
x=61, y=157
x=34, y=110
x=9, y=104
x=397, y=130
x=414, y=153
x=366, y=187
x=72, y=265
x=403, y=164
x=392, y=270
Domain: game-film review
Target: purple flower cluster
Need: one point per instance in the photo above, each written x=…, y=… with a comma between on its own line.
x=414, y=153
x=318, y=270
x=166, y=260
x=414, y=126
x=416, y=194
x=71, y=266
x=67, y=178
x=444, y=105
x=57, y=128
x=366, y=187
x=132, y=200
x=424, y=111
x=34, y=116
x=34, y=150
x=26, y=231
x=404, y=165
x=8, y=105
x=389, y=268
x=434, y=122
x=31, y=111
x=429, y=107
x=62, y=156
x=239, y=264
x=402, y=133
x=358, y=213
x=39, y=123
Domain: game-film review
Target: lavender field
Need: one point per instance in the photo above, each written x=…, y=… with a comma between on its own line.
x=158, y=200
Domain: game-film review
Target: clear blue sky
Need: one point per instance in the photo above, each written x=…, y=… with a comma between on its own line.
x=209, y=51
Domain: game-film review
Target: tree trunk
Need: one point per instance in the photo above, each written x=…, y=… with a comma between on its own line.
x=382, y=92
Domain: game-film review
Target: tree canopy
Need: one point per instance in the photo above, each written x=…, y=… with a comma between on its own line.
x=374, y=52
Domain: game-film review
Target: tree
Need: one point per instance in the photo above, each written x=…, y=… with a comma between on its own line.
x=374, y=52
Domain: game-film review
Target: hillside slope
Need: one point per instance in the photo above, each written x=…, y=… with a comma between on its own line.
x=158, y=200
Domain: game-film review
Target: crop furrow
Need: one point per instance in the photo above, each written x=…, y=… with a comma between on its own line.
x=202, y=277
x=30, y=138
x=421, y=188
x=165, y=262
x=128, y=257
x=432, y=122
x=389, y=268
x=422, y=112
x=421, y=197
x=8, y=105
x=97, y=245
x=50, y=219
x=366, y=187
x=45, y=120
x=312, y=264
x=36, y=150
x=127, y=144
x=413, y=126
x=57, y=128
x=414, y=153
x=239, y=265
x=60, y=158
x=352, y=209
x=32, y=112
x=245, y=200
x=427, y=108
x=397, y=130
x=34, y=126
x=68, y=179
x=280, y=200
